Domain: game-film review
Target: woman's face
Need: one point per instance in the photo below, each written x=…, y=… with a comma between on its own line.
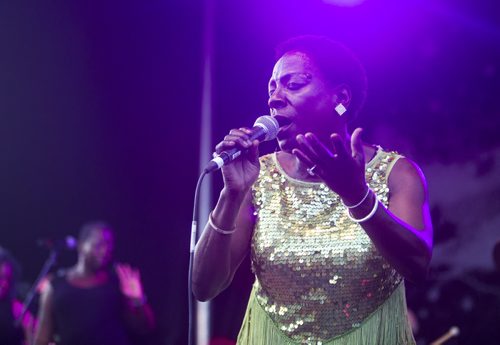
x=97, y=249
x=298, y=91
x=6, y=275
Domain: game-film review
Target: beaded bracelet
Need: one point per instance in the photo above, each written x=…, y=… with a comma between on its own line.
x=219, y=230
x=368, y=216
x=359, y=203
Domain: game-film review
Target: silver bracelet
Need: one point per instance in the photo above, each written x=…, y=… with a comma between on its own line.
x=368, y=216
x=359, y=203
x=217, y=229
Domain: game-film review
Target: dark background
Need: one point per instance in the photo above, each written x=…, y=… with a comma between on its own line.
x=97, y=98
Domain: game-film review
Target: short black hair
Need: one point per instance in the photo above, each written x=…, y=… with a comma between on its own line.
x=88, y=228
x=337, y=63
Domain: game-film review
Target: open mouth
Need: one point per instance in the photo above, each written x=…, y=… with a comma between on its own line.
x=284, y=122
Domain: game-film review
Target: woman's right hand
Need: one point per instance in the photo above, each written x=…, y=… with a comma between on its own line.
x=240, y=174
x=218, y=255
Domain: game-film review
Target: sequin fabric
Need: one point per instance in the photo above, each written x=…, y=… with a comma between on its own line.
x=318, y=275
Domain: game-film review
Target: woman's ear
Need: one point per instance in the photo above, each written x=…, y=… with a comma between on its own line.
x=341, y=99
x=342, y=94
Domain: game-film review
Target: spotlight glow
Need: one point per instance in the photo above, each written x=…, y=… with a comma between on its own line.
x=345, y=3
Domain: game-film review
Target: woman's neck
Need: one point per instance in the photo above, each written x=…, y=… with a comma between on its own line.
x=82, y=276
x=294, y=168
x=81, y=269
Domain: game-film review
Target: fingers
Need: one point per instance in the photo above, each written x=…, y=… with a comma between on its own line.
x=120, y=271
x=130, y=281
x=311, y=151
x=357, y=144
x=253, y=152
x=338, y=145
x=236, y=138
x=321, y=151
x=315, y=150
x=303, y=158
x=126, y=272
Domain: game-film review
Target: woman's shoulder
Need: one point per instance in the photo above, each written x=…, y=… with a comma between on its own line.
x=267, y=163
x=404, y=172
x=379, y=153
x=398, y=168
x=267, y=158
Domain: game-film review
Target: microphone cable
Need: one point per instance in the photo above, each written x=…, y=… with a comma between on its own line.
x=194, y=227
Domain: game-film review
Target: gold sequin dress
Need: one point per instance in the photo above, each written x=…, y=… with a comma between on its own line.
x=319, y=278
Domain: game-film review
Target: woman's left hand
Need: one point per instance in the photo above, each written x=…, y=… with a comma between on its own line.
x=341, y=168
x=130, y=281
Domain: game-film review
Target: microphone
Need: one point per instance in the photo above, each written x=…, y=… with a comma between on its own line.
x=265, y=128
x=453, y=332
x=69, y=242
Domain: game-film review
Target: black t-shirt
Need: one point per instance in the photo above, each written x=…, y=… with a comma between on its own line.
x=10, y=334
x=89, y=316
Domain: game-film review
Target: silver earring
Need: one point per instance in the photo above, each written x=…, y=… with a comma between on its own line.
x=340, y=109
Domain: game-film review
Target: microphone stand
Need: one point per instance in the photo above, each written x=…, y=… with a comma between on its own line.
x=194, y=227
x=49, y=263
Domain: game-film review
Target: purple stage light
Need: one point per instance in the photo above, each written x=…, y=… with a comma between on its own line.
x=345, y=3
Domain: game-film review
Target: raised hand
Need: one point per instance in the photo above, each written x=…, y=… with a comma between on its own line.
x=340, y=165
x=241, y=173
x=130, y=281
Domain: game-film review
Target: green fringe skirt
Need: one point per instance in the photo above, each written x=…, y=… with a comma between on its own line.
x=388, y=325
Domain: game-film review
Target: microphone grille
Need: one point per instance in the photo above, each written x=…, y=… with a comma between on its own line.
x=270, y=125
